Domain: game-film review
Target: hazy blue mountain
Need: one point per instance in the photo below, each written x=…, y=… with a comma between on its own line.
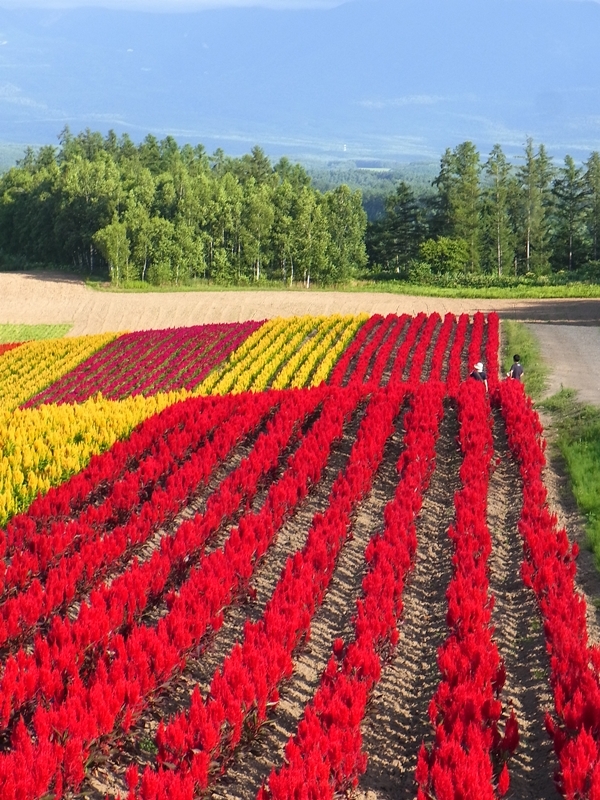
x=392, y=79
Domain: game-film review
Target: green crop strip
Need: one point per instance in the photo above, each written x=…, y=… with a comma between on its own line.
x=27, y=333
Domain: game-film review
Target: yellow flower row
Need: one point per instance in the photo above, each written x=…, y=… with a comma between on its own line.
x=237, y=374
x=259, y=374
x=42, y=447
x=33, y=366
x=327, y=353
x=297, y=370
x=284, y=353
x=261, y=337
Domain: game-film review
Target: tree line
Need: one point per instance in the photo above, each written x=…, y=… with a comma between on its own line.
x=531, y=218
x=166, y=214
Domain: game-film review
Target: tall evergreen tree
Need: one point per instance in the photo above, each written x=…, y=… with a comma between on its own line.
x=394, y=240
x=571, y=194
x=460, y=206
x=498, y=228
x=592, y=180
x=535, y=177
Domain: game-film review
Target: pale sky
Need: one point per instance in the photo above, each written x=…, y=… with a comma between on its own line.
x=167, y=5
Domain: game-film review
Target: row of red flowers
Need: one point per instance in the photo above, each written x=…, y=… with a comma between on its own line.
x=365, y=356
x=246, y=686
x=80, y=570
x=386, y=349
x=88, y=708
x=37, y=540
x=325, y=757
x=419, y=351
x=5, y=348
x=441, y=346
x=352, y=352
x=454, y=373
x=125, y=599
x=549, y=569
x=90, y=485
x=465, y=710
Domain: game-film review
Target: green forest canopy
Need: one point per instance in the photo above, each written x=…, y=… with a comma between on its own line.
x=166, y=214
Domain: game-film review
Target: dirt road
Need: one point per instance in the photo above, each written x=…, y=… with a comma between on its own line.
x=569, y=330
x=573, y=354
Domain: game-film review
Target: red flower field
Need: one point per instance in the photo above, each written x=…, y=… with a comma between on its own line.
x=356, y=589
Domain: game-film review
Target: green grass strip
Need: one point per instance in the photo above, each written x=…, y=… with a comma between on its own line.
x=577, y=428
x=28, y=333
x=481, y=292
x=520, y=292
x=517, y=338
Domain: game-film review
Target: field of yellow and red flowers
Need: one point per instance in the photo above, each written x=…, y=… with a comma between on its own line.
x=285, y=559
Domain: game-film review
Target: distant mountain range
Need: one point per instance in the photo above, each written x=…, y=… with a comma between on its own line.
x=372, y=79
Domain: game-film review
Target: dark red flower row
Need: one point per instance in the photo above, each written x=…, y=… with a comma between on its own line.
x=168, y=360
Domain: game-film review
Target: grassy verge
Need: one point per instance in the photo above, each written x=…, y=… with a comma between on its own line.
x=26, y=333
x=516, y=338
x=573, y=290
x=577, y=429
x=203, y=286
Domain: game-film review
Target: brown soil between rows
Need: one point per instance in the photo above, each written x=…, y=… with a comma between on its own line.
x=519, y=633
x=107, y=776
x=333, y=619
x=400, y=334
x=397, y=721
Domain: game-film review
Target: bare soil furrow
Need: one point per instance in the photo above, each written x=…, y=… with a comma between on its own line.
x=519, y=633
x=358, y=354
x=449, y=346
x=391, y=332
x=333, y=619
x=410, y=355
x=138, y=747
x=426, y=368
x=400, y=336
x=398, y=720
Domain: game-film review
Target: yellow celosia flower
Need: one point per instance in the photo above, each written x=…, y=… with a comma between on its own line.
x=33, y=366
x=42, y=447
x=295, y=351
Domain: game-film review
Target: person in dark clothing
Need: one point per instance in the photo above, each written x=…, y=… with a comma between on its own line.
x=479, y=374
x=516, y=370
